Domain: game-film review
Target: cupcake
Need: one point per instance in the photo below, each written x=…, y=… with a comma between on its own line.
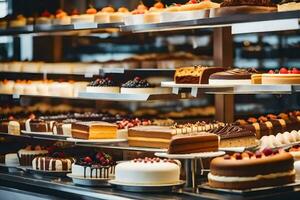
x=61, y=18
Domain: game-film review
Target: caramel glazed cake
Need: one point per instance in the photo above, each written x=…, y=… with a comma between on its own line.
x=249, y=170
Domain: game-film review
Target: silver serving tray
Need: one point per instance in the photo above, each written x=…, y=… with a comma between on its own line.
x=41, y=173
x=146, y=188
x=92, y=182
x=205, y=186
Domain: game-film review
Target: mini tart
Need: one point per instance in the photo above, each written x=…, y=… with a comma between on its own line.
x=256, y=78
x=103, y=89
x=119, y=16
x=43, y=20
x=104, y=16
x=280, y=79
x=20, y=21
x=85, y=18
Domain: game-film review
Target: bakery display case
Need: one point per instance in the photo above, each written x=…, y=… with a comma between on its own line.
x=153, y=99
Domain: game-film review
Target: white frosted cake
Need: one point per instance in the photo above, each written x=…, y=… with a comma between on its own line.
x=148, y=171
x=12, y=159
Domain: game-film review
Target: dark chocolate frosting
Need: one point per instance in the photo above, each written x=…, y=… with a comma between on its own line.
x=234, y=74
x=232, y=131
x=248, y=3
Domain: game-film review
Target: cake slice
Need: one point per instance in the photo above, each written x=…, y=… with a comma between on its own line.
x=94, y=130
x=194, y=143
x=195, y=74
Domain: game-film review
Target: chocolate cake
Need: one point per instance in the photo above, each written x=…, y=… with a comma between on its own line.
x=235, y=136
x=232, y=76
x=193, y=143
x=231, y=7
x=57, y=162
x=195, y=74
x=38, y=125
x=252, y=170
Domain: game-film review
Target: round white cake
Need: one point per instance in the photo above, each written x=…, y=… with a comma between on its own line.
x=12, y=159
x=148, y=171
x=90, y=172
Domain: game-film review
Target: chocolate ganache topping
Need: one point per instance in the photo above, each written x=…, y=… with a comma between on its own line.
x=231, y=131
x=234, y=74
x=248, y=3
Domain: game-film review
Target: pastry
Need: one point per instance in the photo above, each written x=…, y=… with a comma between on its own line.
x=103, y=85
x=61, y=18
x=14, y=127
x=280, y=139
x=193, y=143
x=248, y=170
x=119, y=16
x=104, y=16
x=56, y=162
x=7, y=87
x=196, y=5
x=283, y=76
x=154, y=14
x=195, y=75
x=27, y=155
x=94, y=130
x=3, y=24
x=99, y=166
x=137, y=86
x=295, y=151
x=232, y=77
x=20, y=21
x=287, y=5
x=235, y=136
x=45, y=18
x=148, y=171
x=231, y=7
x=89, y=17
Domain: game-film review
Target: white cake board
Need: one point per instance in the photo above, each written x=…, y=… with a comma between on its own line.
x=37, y=133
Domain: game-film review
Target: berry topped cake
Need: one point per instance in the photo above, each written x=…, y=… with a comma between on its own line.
x=148, y=171
x=282, y=76
x=103, y=85
x=99, y=165
x=252, y=170
x=137, y=86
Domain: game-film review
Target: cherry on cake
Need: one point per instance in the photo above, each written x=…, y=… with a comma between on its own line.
x=45, y=18
x=96, y=166
x=252, y=170
x=148, y=171
x=103, y=85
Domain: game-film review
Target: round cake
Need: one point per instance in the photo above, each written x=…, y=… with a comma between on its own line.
x=96, y=166
x=282, y=76
x=27, y=155
x=103, y=85
x=137, y=86
x=148, y=171
x=232, y=77
x=57, y=162
x=249, y=170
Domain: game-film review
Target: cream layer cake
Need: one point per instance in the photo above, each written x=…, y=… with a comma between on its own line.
x=94, y=130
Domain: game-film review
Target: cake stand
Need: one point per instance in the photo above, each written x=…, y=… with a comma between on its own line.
x=190, y=161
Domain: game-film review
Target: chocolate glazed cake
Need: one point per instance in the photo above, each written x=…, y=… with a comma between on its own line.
x=231, y=7
x=249, y=170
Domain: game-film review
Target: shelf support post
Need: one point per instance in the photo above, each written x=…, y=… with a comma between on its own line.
x=223, y=56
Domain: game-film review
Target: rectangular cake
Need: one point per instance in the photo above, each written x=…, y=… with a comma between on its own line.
x=195, y=74
x=94, y=130
x=160, y=136
x=194, y=143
